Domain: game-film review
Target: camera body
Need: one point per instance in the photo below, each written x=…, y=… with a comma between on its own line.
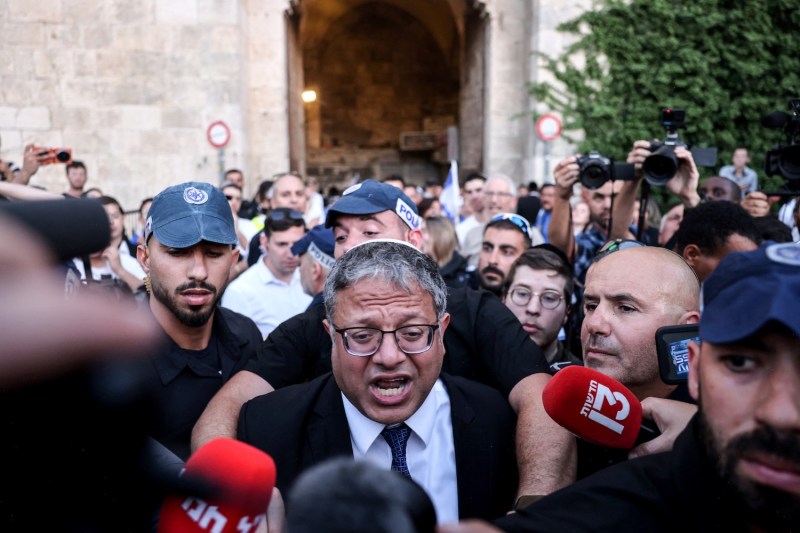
x=661, y=165
x=596, y=170
x=784, y=160
x=53, y=155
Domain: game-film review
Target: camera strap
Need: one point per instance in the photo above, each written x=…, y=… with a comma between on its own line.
x=87, y=268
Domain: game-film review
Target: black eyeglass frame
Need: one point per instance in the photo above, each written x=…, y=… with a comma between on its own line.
x=343, y=332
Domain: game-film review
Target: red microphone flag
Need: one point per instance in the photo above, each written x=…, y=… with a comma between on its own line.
x=243, y=477
x=594, y=407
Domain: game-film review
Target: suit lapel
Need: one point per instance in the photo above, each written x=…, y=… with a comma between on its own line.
x=470, y=445
x=328, y=432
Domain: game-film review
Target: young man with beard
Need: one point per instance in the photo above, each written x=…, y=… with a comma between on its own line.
x=189, y=248
x=505, y=238
x=736, y=467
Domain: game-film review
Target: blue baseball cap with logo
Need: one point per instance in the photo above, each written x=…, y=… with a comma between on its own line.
x=319, y=244
x=185, y=214
x=370, y=197
x=749, y=289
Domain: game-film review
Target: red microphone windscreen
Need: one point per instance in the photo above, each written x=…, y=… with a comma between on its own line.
x=243, y=477
x=593, y=406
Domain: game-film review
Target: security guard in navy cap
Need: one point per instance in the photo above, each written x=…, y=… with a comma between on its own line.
x=189, y=249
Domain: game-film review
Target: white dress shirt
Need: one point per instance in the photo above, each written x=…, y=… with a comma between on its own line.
x=430, y=454
x=268, y=301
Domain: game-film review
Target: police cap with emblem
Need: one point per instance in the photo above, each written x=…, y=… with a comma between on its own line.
x=185, y=214
x=370, y=197
x=749, y=289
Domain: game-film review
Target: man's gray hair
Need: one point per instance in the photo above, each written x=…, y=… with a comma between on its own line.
x=397, y=263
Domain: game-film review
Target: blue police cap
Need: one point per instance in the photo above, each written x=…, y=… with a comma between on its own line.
x=370, y=197
x=319, y=244
x=749, y=289
x=185, y=214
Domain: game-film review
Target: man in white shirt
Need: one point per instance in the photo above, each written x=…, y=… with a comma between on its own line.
x=473, y=199
x=386, y=400
x=270, y=291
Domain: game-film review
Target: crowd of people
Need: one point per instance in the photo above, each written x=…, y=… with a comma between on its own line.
x=366, y=325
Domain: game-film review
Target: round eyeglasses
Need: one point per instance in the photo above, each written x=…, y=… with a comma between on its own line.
x=411, y=339
x=521, y=296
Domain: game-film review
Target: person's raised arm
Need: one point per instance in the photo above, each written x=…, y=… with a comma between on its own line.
x=18, y=191
x=30, y=165
x=221, y=416
x=289, y=355
x=546, y=452
x=626, y=197
x=559, y=232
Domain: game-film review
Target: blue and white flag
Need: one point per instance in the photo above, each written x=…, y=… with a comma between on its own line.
x=451, y=194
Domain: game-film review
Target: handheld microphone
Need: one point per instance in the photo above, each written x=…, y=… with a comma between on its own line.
x=69, y=228
x=243, y=477
x=594, y=407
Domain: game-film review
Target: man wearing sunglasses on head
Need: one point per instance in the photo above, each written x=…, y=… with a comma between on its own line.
x=505, y=238
x=484, y=342
x=386, y=400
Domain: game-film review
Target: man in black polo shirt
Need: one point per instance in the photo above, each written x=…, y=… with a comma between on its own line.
x=484, y=342
x=188, y=251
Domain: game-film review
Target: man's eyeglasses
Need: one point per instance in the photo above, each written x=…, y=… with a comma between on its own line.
x=517, y=220
x=521, y=296
x=364, y=342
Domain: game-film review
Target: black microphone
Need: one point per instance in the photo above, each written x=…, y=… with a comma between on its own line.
x=69, y=228
x=775, y=120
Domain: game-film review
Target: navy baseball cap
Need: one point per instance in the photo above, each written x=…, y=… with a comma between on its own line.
x=749, y=289
x=183, y=215
x=319, y=244
x=370, y=197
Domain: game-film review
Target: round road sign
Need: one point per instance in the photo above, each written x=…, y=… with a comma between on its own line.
x=548, y=127
x=218, y=134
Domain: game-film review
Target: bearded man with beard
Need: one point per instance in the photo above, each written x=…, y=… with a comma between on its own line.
x=187, y=254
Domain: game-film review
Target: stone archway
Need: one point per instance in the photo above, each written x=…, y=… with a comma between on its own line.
x=385, y=70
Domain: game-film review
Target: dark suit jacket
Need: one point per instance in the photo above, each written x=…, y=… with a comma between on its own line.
x=302, y=425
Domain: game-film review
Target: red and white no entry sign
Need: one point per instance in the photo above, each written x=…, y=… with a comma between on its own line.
x=548, y=127
x=219, y=134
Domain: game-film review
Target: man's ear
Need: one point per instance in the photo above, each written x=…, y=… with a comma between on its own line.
x=691, y=254
x=263, y=240
x=143, y=256
x=415, y=238
x=317, y=272
x=694, y=368
x=690, y=317
x=326, y=325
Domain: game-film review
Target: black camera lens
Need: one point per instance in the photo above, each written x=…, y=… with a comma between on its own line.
x=790, y=162
x=661, y=166
x=594, y=174
x=63, y=156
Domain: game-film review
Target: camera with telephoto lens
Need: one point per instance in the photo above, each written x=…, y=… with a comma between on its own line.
x=661, y=166
x=596, y=170
x=784, y=160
